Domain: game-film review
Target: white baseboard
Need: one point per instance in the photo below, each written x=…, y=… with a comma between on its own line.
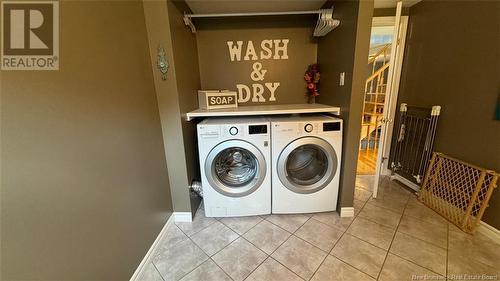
x=347, y=212
x=406, y=182
x=183, y=216
x=149, y=255
x=489, y=231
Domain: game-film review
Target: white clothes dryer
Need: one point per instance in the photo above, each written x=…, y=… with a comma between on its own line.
x=306, y=154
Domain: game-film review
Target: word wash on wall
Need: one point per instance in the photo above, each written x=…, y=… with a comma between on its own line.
x=271, y=49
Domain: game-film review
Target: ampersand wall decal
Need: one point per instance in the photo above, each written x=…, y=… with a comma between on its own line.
x=257, y=73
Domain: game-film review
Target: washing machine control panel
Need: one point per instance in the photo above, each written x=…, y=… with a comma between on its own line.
x=331, y=126
x=209, y=132
x=240, y=130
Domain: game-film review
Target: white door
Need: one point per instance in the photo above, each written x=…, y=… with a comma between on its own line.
x=396, y=59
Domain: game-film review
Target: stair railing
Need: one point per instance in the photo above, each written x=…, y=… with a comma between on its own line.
x=374, y=96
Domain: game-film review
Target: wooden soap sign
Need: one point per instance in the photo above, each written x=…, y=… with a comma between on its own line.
x=268, y=49
x=217, y=99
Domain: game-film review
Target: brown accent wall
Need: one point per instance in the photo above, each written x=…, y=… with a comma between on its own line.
x=188, y=83
x=84, y=187
x=217, y=71
x=452, y=60
x=176, y=95
x=345, y=50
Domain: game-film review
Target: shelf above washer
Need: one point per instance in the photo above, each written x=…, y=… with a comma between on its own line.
x=264, y=110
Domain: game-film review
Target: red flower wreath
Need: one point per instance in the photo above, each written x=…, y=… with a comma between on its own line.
x=312, y=80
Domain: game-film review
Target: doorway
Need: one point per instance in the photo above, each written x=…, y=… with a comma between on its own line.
x=383, y=70
x=374, y=94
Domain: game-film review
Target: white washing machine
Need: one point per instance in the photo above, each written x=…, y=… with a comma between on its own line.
x=235, y=157
x=306, y=153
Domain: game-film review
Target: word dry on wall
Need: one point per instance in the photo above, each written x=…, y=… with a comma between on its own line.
x=269, y=49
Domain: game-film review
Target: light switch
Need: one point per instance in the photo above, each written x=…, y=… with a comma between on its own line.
x=342, y=77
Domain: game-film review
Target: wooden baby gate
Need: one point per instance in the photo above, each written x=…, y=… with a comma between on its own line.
x=457, y=190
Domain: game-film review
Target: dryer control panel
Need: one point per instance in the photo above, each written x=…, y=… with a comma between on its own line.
x=307, y=128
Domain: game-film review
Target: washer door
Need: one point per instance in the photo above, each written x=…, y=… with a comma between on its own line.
x=235, y=168
x=307, y=165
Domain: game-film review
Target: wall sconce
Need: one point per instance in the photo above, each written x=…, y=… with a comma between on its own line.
x=162, y=62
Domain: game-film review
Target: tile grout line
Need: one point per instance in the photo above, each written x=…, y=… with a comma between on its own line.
x=345, y=232
x=287, y=229
x=427, y=242
x=376, y=246
x=392, y=241
x=267, y=256
x=209, y=257
x=386, y=208
x=270, y=255
x=157, y=271
x=241, y=236
x=412, y=262
x=395, y=230
x=432, y=224
x=161, y=275
x=346, y=263
x=334, y=227
x=288, y=238
x=329, y=253
x=261, y=219
x=189, y=238
x=292, y=234
x=194, y=233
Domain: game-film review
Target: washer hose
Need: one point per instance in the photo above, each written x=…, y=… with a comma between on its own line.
x=196, y=187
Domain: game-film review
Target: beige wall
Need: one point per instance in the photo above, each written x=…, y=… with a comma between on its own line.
x=84, y=188
x=188, y=83
x=217, y=71
x=176, y=95
x=345, y=50
x=452, y=60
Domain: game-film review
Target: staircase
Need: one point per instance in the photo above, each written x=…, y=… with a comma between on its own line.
x=375, y=90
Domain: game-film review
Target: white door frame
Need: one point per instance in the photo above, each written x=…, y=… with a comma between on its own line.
x=395, y=92
x=390, y=105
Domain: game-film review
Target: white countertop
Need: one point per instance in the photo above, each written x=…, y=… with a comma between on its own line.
x=264, y=110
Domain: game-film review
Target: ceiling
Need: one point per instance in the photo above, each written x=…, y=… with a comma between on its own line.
x=250, y=6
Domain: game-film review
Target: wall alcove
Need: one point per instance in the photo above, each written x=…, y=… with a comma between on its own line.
x=202, y=61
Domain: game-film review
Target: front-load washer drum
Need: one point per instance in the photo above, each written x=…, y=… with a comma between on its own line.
x=307, y=165
x=235, y=168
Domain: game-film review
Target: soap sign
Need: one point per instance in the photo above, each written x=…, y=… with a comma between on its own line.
x=217, y=99
x=268, y=49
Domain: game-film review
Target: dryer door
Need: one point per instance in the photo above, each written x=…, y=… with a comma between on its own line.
x=235, y=168
x=307, y=165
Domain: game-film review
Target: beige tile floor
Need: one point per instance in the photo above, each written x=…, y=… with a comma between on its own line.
x=393, y=237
